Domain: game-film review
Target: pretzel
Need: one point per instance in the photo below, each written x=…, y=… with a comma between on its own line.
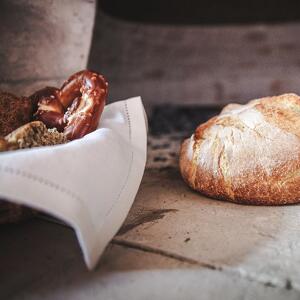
x=48, y=108
x=76, y=107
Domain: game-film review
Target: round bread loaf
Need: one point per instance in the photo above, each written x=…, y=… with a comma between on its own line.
x=248, y=154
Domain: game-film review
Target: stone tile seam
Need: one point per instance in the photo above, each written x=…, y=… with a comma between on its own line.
x=242, y=275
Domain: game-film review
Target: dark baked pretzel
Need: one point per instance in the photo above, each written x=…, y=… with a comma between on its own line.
x=76, y=107
x=48, y=108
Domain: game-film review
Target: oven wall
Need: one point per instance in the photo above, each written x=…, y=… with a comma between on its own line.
x=203, y=64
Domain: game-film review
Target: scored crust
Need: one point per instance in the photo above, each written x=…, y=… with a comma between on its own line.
x=248, y=154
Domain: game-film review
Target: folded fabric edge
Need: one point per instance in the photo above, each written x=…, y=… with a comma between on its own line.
x=92, y=249
x=138, y=130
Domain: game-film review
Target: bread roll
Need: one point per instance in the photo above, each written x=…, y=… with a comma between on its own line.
x=34, y=134
x=30, y=135
x=248, y=154
x=14, y=112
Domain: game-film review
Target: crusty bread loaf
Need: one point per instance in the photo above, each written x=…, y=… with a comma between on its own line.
x=248, y=154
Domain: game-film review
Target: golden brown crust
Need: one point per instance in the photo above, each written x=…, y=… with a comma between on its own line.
x=35, y=134
x=282, y=111
x=248, y=154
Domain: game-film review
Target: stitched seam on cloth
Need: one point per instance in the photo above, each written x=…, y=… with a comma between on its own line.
x=128, y=120
x=130, y=165
x=41, y=181
x=127, y=176
x=69, y=193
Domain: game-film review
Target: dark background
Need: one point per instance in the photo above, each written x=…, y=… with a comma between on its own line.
x=202, y=12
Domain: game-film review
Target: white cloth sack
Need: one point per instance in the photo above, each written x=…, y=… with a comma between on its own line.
x=88, y=183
